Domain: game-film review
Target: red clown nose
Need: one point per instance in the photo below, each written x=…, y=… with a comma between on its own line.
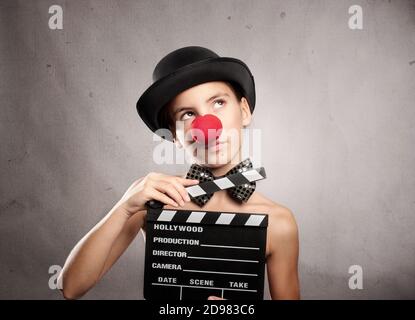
x=209, y=128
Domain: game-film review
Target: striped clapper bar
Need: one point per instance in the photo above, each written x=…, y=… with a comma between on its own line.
x=236, y=179
x=230, y=181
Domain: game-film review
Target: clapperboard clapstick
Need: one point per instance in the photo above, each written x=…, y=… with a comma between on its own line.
x=230, y=181
x=192, y=254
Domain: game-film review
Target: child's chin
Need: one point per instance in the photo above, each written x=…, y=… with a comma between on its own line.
x=214, y=165
x=214, y=160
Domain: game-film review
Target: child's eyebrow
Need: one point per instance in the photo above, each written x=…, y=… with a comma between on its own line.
x=180, y=109
x=216, y=95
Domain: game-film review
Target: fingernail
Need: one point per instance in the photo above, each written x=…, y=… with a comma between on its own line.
x=175, y=204
x=187, y=198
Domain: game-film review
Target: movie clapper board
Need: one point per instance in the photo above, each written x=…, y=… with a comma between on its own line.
x=192, y=254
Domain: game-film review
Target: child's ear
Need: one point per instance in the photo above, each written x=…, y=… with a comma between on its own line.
x=246, y=112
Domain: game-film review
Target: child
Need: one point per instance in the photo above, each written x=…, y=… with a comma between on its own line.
x=190, y=82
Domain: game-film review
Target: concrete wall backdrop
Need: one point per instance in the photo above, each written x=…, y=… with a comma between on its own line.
x=335, y=105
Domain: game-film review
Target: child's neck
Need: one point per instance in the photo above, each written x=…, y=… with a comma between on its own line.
x=222, y=170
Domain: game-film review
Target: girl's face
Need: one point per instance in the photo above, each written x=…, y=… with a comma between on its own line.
x=215, y=98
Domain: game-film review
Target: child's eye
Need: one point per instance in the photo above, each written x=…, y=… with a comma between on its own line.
x=219, y=102
x=187, y=115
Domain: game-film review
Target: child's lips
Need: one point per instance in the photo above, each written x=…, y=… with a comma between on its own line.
x=215, y=147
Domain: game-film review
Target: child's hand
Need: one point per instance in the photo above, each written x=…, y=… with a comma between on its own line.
x=165, y=188
x=215, y=298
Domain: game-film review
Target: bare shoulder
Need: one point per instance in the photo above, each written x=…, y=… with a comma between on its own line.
x=282, y=225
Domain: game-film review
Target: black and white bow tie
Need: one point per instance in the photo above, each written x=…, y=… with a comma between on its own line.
x=240, y=192
x=239, y=181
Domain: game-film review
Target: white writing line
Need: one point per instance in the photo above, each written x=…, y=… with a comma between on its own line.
x=222, y=259
x=201, y=287
x=233, y=247
x=239, y=274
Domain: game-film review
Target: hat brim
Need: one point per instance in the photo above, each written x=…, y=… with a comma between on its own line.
x=215, y=69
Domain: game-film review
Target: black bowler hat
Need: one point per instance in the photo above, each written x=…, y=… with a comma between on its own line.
x=184, y=68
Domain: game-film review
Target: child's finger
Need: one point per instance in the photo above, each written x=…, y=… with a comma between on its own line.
x=163, y=198
x=183, y=192
x=215, y=298
x=169, y=188
x=187, y=182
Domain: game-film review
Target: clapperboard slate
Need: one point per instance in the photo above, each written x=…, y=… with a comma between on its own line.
x=191, y=255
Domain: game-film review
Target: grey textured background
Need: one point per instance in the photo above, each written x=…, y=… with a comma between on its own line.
x=336, y=108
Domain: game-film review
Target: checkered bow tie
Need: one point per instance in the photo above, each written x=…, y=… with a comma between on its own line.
x=239, y=193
